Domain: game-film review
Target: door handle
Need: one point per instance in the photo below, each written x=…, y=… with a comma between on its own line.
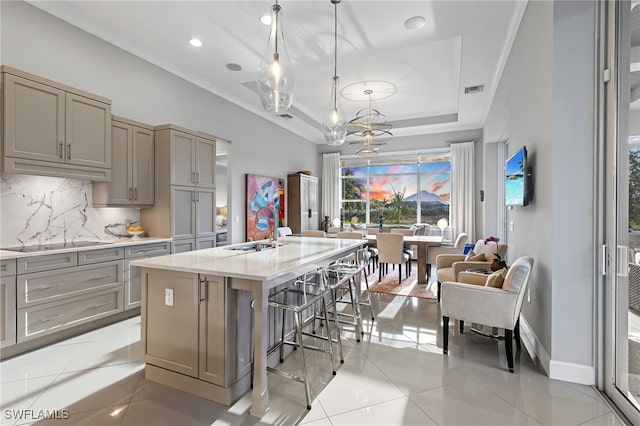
x=309, y=213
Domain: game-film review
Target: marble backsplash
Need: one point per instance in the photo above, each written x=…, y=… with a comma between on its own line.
x=42, y=210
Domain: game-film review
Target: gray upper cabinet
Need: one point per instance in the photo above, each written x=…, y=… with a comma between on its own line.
x=50, y=129
x=192, y=157
x=132, y=158
x=184, y=208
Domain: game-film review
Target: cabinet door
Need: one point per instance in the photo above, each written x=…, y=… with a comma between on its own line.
x=88, y=132
x=205, y=243
x=312, y=205
x=132, y=285
x=170, y=333
x=121, y=185
x=205, y=163
x=7, y=311
x=183, y=205
x=182, y=152
x=182, y=246
x=205, y=213
x=33, y=120
x=212, y=330
x=143, y=167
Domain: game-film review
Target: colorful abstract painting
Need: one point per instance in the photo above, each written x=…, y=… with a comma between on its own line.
x=263, y=191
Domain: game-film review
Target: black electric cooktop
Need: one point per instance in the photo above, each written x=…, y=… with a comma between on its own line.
x=54, y=246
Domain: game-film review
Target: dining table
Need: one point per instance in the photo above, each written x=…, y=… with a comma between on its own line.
x=422, y=242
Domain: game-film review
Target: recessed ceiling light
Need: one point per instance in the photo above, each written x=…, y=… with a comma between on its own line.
x=234, y=67
x=415, y=22
x=195, y=42
x=266, y=19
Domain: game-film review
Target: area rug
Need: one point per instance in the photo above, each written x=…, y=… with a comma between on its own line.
x=409, y=287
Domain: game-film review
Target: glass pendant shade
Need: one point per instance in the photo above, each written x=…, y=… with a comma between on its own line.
x=276, y=82
x=334, y=122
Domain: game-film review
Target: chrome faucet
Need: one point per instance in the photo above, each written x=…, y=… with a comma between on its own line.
x=274, y=229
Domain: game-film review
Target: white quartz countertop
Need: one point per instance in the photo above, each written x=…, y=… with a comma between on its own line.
x=294, y=256
x=119, y=242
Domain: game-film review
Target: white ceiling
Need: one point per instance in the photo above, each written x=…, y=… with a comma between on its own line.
x=462, y=44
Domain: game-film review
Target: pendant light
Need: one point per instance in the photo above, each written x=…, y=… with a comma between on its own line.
x=334, y=123
x=369, y=130
x=276, y=82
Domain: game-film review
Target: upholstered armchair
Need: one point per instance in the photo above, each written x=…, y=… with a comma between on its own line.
x=491, y=306
x=456, y=248
x=448, y=266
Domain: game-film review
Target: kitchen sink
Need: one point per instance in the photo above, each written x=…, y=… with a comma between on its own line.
x=248, y=247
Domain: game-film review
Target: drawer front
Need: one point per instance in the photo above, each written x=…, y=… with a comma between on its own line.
x=44, y=319
x=148, y=250
x=46, y=262
x=7, y=267
x=103, y=255
x=43, y=287
x=7, y=311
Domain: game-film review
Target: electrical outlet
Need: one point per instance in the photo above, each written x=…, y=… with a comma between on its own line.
x=168, y=296
x=512, y=225
x=528, y=295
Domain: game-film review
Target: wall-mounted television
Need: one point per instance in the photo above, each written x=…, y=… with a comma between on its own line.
x=517, y=177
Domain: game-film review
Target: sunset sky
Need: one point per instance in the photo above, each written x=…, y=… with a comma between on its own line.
x=435, y=178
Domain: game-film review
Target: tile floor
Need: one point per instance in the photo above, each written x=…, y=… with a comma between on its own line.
x=396, y=375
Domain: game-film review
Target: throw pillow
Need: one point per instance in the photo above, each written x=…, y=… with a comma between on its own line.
x=473, y=257
x=496, y=279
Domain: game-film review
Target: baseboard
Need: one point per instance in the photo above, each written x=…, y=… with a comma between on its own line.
x=560, y=370
x=534, y=347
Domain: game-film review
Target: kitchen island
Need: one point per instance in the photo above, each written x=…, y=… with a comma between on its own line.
x=196, y=313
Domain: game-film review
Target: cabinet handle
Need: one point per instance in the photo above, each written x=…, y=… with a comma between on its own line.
x=197, y=196
x=130, y=194
x=193, y=177
x=204, y=290
x=49, y=319
x=47, y=287
x=98, y=278
x=197, y=177
x=68, y=151
x=96, y=306
x=309, y=213
x=61, y=150
x=135, y=193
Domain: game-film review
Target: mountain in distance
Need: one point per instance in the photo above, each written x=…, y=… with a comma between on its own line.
x=426, y=197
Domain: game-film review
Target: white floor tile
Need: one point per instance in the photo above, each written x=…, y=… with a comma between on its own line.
x=397, y=374
x=398, y=412
x=469, y=404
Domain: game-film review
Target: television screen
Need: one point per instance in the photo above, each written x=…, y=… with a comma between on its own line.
x=516, y=178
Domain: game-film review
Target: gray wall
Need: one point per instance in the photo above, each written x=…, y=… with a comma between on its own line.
x=546, y=100
x=39, y=43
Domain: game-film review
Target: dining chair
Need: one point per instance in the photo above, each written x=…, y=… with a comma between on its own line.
x=391, y=250
x=313, y=233
x=411, y=251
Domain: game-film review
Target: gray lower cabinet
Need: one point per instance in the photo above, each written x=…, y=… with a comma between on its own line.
x=52, y=301
x=197, y=326
x=7, y=302
x=132, y=283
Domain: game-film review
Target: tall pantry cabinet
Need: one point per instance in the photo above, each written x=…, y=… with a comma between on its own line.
x=302, y=207
x=185, y=204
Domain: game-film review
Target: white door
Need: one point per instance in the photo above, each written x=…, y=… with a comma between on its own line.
x=621, y=263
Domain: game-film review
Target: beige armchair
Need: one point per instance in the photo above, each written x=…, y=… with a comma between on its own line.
x=494, y=307
x=448, y=266
x=456, y=248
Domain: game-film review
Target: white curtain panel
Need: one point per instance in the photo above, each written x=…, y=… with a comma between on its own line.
x=331, y=185
x=462, y=209
x=501, y=213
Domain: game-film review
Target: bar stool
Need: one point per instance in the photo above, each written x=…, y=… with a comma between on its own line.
x=342, y=277
x=300, y=297
x=363, y=260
